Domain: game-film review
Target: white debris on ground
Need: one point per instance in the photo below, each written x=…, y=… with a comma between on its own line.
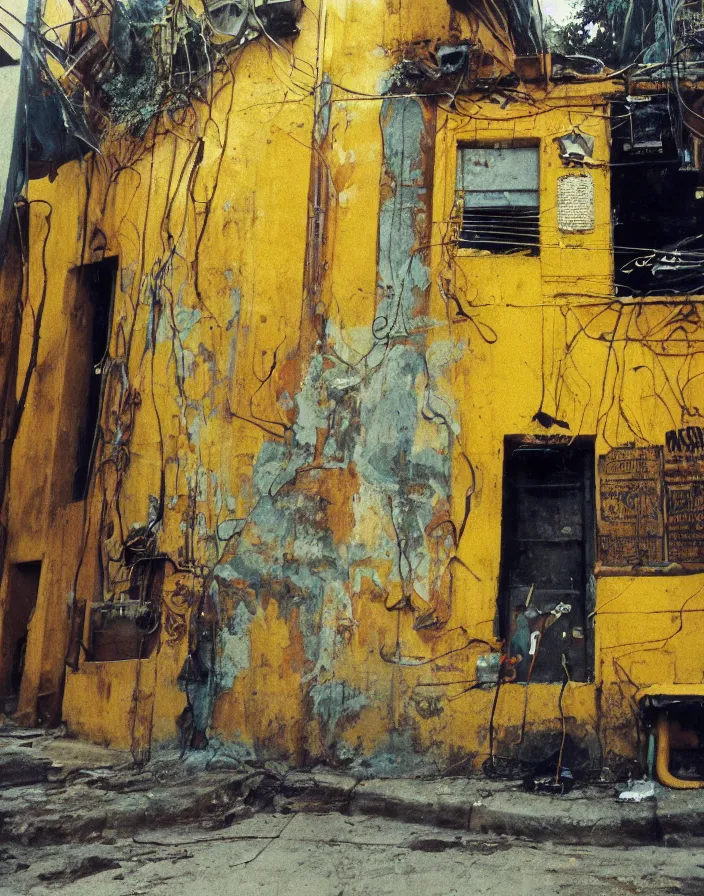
x=637, y=791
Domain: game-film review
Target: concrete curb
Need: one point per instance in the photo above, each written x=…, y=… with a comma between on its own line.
x=41, y=802
x=494, y=808
x=41, y=815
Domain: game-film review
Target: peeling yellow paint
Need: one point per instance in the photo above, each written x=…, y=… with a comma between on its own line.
x=217, y=333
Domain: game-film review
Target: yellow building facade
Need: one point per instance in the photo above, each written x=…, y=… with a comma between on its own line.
x=340, y=441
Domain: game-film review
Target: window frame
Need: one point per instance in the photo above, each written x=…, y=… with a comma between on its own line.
x=528, y=251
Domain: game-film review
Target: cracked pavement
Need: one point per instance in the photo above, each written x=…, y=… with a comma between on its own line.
x=336, y=855
x=80, y=819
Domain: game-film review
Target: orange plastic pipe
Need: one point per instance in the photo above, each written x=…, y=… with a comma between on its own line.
x=662, y=761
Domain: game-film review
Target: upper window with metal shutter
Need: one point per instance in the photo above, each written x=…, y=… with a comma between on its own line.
x=500, y=197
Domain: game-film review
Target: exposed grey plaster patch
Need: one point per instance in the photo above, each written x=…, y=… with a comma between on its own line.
x=333, y=701
x=373, y=420
x=234, y=646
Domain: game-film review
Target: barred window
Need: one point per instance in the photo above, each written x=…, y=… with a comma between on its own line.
x=499, y=191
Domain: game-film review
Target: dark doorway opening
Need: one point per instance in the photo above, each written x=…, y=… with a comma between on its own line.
x=97, y=286
x=23, y=588
x=547, y=560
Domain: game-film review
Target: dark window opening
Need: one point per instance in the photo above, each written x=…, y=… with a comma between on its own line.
x=97, y=285
x=23, y=589
x=657, y=191
x=127, y=628
x=547, y=559
x=190, y=59
x=498, y=189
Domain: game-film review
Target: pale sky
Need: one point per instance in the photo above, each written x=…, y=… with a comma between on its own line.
x=560, y=10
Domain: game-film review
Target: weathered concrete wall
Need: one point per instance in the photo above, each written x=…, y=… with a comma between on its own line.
x=305, y=404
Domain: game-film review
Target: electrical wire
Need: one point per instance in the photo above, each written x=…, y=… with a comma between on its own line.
x=390, y=324
x=562, y=717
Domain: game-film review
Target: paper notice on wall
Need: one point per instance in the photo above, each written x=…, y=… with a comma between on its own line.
x=575, y=203
x=631, y=522
x=684, y=494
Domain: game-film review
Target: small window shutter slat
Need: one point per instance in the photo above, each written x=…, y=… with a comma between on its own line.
x=501, y=199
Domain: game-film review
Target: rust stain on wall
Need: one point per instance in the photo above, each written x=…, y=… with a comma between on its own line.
x=275, y=352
